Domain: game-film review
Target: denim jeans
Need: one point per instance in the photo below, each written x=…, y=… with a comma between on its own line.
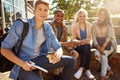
x=103, y=59
x=66, y=61
x=85, y=55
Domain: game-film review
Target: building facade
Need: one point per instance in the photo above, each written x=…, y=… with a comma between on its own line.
x=10, y=10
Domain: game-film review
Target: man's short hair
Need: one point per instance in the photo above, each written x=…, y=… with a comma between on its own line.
x=58, y=10
x=37, y=2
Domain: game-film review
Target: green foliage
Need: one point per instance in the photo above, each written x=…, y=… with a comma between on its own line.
x=70, y=7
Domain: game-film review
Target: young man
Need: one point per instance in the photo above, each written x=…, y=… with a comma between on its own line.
x=60, y=31
x=35, y=47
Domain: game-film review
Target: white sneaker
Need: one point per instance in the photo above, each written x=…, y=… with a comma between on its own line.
x=78, y=74
x=89, y=74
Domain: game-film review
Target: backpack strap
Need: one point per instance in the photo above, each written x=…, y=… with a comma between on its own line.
x=23, y=35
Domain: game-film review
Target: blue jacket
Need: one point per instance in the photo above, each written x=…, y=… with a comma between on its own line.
x=28, y=47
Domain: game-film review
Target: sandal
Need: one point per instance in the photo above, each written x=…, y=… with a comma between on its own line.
x=110, y=73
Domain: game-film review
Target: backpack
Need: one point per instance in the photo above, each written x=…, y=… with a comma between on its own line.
x=5, y=64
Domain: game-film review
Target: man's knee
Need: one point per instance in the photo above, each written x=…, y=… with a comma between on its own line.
x=75, y=54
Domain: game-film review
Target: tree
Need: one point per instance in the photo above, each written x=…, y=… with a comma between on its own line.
x=70, y=7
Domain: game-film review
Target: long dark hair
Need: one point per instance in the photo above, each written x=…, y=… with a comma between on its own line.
x=107, y=20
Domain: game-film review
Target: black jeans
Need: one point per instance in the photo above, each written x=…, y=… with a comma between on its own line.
x=66, y=61
x=85, y=54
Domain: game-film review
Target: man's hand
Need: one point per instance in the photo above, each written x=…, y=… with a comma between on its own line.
x=55, y=57
x=69, y=44
x=52, y=58
x=72, y=43
x=27, y=66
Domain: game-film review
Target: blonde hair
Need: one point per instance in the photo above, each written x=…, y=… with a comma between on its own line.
x=79, y=12
x=37, y=2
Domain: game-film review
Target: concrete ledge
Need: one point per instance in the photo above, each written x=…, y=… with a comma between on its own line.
x=95, y=67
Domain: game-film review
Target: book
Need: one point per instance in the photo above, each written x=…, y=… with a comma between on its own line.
x=40, y=68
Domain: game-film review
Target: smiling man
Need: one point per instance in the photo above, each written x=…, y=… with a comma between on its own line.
x=57, y=24
x=60, y=31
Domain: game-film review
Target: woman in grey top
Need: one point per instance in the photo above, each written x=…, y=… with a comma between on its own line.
x=102, y=29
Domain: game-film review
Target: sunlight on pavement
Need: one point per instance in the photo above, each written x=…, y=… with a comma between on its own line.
x=118, y=48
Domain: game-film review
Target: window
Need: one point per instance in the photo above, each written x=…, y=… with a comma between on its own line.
x=23, y=12
x=8, y=12
x=1, y=29
x=13, y=9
